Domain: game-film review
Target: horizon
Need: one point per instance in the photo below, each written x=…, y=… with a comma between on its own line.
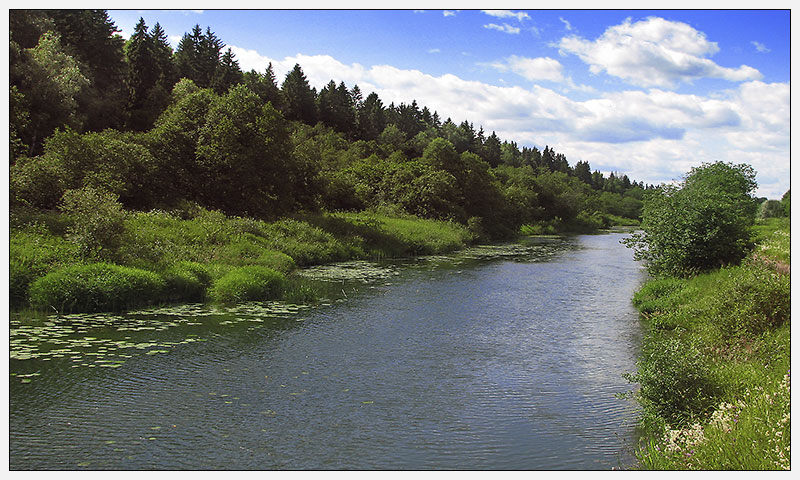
x=646, y=93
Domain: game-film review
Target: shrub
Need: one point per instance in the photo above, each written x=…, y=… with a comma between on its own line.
x=187, y=281
x=252, y=250
x=99, y=221
x=700, y=225
x=96, y=287
x=770, y=209
x=676, y=384
x=248, y=283
x=753, y=300
x=31, y=255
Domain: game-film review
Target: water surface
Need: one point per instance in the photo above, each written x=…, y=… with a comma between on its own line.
x=503, y=357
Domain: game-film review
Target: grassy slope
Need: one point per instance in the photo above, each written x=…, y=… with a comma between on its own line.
x=736, y=399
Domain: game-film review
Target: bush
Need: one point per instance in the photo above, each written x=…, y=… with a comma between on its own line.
x=676, y=384
x=31, y=255
x=753, y=300
x=96, y=287
x=700, y=225
x=770, y=209
x=253, y=250
x=187, y=281
x=99, y=221
x=248, y=283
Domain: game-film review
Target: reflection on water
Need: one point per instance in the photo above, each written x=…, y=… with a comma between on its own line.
x=498, y=357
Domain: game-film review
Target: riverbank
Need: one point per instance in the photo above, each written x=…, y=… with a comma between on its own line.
x=714, y=372
x=199, y=255
x=114, y=260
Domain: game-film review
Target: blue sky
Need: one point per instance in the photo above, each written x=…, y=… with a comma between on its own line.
x=648, y=93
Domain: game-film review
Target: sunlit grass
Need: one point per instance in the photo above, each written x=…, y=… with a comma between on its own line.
x=739, y=319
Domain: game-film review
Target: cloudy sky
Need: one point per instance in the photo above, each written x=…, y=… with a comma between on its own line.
x=643, y=92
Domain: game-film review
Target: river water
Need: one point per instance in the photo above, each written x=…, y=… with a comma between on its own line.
x=502, y=357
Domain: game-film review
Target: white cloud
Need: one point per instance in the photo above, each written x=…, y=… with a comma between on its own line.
x=505, y=28
x=533, y=69
x=520, y=16
x=654, y=135
x=654, y=52
x=449, y=13
x=567, y=25
x=434, y=50
x=760, y=47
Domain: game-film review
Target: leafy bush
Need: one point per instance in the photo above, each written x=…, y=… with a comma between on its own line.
x=96, y=287
x=98, y=221
x=31, y=255
x=770, y=209
x=248, y=283
x=676, y=383
x=753, y=300
x=187, y=281
x=703, y=224
x=253, y=250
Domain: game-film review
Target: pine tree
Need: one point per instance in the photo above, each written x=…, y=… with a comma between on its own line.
x=298, y=99
x=227, y=73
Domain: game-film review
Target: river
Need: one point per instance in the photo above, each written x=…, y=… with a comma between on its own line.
x=501, y=357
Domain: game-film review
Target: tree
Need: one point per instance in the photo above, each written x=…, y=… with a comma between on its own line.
x=245, y=150
x=92, y=38
x=198, y=56
x=142, y=76
x=370, y=117
x=297, y=97
x=492, y=151
x=786, y=202
x=701, y=224
x=48, y=83
x=264, y=86
x=227, y=73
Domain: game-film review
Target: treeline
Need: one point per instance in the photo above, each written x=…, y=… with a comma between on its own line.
x=159, y=129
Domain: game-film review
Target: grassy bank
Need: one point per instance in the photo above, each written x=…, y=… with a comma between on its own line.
x=714, y=373
x=121, y=259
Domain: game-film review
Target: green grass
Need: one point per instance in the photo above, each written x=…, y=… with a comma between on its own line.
x=714, y=373
x=192, y=250
x=248, y=283
x=95, y=287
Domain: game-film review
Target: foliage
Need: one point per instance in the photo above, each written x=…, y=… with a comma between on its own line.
x=786, y=201
x=770, y=209
x=728, y=330
x=753, y=300
x=34, y=252
x=248, y=283
x=99, y=222
x=702, y=224
x=676, y=383
x=186, y=281
x=95, y=287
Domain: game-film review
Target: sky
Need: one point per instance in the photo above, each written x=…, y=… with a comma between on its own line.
x=646, y=93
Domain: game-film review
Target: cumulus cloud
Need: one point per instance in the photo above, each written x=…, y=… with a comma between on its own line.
x=520, y=16
x=505, y=28
x=533, y=69
x=760, y=47
x=652, y=135
x=654, y=53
